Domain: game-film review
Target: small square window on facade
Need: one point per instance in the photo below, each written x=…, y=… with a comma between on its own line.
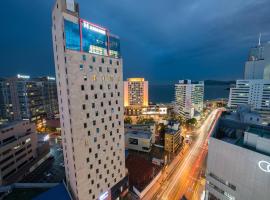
x=90, y=68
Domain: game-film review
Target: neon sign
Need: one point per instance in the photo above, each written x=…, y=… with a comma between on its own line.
x=23, y=76
x=93, y=28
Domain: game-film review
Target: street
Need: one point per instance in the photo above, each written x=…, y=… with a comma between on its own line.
x=180, y=177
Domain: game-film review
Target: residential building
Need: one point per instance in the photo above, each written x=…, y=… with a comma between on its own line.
x=135, y=95
x=6, y=109
x=172, y=140
x=258, y=64
x=18, y=148
x=189, y=98
x=139, y=140
x=26, y=98
x=49, y=95
x=255, y=93
x=89, y=78
x=238, y=161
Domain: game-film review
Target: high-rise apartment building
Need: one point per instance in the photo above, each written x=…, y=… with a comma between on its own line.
x=48, y=90
x=258, y=64
x=189, y=98
x=24, y=98
x=238, y=161
x=135, y=92
x=89, y=78
x=255, y=93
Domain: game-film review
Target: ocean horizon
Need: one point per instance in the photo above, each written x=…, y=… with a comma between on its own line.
x=165, y=93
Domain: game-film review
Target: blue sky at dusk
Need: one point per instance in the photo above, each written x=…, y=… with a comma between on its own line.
x=162, y=41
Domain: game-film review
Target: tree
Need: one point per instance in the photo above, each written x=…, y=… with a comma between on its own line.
x=128, y=120
x=191, y=122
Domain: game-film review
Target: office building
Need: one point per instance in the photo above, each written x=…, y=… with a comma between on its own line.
x=189, y=98
x=255, y=93
x=89, y=78
x=238, y=161
x=18, y=148
x=258, y=64
x=135, y=92
x=172, y=140
x=139, y=140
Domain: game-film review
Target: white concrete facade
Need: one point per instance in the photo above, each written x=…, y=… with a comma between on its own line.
x=90, y=96
x=234, y=172
x=258, y=64
x=255, y=93
x=189, y=98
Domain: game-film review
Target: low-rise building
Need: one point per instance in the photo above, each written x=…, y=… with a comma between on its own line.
x=18, y=147
x=150, y=127
x=238, y=161
x=172, y=140
x=138, y=140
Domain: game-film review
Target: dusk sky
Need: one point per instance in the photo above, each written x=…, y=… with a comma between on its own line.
x=161, y=40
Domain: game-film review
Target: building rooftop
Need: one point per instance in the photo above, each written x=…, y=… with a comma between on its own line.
x=58, y=192
x=237, y=133
x=139, y=134
x=265, y=133
x=12, y=123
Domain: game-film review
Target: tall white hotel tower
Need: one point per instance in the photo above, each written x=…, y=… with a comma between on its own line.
x=89, y=77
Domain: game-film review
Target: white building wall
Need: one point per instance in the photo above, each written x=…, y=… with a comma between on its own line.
x=238, y=166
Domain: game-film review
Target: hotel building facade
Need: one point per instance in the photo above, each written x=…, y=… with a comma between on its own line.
x=89, y=78
x=189, y=98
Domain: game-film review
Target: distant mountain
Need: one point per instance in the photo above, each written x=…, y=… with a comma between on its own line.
x=216, y=82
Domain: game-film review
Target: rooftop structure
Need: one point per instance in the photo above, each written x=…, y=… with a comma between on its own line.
x=138, y=140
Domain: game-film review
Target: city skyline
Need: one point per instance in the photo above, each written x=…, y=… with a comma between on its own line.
x=214, y=44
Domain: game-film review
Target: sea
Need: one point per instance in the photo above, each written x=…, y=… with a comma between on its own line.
x=165, y=93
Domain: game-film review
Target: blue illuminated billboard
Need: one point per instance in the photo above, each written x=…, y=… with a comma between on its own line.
x=87, y=37
x=72, y=34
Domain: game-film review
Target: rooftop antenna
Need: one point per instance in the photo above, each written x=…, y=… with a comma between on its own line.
x=259, y=44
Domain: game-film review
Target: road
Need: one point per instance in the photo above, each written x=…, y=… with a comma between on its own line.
x=179, y=178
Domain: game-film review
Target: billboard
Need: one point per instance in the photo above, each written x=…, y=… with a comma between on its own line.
x=72, y=35
x=94, y=38
x=90, y=38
